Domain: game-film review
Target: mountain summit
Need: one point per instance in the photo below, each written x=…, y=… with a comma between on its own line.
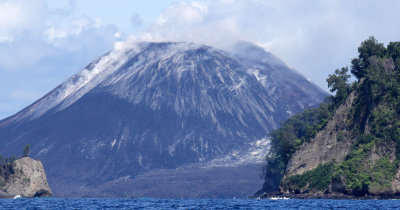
x=156, y=108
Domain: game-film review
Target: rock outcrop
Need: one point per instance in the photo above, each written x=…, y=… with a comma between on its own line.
x=355, y=150
x=325, y=146
x=25, y=177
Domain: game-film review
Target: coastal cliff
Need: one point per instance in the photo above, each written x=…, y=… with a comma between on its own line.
x=349, y=147
x=25, y=177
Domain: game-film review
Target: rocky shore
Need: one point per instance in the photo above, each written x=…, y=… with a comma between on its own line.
x=335, y=196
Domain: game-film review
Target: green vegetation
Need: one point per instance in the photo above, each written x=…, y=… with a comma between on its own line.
x=6, y=160
x=361, y=177
x=317, y=179
x=373, y=122
x=368, y=48
x=339, y=82
x=353, y=169
x=6, y=168
x=292, y=134
x=26, y=150
x=298, y=129
x=382, y=175
x=7, y=164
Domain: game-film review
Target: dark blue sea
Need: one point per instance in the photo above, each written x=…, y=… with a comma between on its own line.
x=150, y=203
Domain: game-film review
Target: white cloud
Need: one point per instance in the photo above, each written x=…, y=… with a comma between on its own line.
x=31, y=34
x=44, y=46
x=20, y=16
x=314, y=36
x=40, y=48
x=183, y=14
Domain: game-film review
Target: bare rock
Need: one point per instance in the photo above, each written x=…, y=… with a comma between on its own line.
x=396, y=182
x=25, y=177
x=326, y=146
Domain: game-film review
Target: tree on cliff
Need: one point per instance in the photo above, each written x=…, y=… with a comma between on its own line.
x=339, y=82
x=26, y=150
x=372, y=124
x=368, y=48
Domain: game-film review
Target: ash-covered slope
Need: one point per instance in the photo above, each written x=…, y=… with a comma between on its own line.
x=156, y=106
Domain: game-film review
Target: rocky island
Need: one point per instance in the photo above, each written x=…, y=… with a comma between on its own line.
x=24, y=177
x=349, y=147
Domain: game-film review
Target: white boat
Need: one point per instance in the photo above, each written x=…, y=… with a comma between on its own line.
x=278, y=198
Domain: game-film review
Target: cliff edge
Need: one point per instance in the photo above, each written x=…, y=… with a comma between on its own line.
x=325, y=146
x=349, y=147
x=25, y=177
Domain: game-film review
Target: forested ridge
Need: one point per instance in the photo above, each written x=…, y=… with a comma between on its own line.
x=372, y=126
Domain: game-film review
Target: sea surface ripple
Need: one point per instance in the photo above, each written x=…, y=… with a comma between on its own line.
x=152, y=203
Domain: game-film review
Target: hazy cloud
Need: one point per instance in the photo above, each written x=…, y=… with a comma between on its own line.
x=40, y=47
x=315, y=37
x=18, y=17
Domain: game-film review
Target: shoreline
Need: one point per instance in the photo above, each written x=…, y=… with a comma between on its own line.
x=333, y=196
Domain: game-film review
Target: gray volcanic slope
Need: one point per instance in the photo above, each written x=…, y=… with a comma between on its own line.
x=152, y=111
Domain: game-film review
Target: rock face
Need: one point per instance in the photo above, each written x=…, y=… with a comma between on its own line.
x=375, y=159
x=156, y=106
x=356, y=153
x=349, y=147
x=26, y=178
x=325, y=146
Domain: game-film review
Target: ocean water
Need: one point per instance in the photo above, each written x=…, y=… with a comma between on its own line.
x=150, y=203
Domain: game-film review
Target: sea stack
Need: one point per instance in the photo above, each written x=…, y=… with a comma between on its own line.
x=24, y=177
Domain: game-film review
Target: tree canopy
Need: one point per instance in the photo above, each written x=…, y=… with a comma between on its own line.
x=373, y=119
x=339, y=82
x=26, y=150
x=368, y=48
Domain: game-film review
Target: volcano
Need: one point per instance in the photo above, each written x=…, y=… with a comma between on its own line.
x=161, y=120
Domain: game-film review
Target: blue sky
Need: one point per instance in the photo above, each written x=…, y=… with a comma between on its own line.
x=43, y=42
